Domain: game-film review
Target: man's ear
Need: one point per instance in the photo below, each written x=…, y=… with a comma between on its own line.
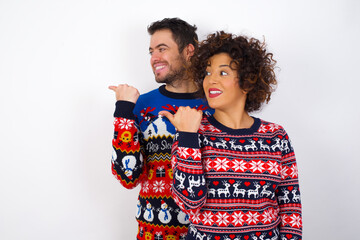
x=189, y=51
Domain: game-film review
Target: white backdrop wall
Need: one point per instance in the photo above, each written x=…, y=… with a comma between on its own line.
x=58, y=57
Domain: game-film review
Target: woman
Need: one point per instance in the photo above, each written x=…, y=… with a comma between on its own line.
x=235, y=175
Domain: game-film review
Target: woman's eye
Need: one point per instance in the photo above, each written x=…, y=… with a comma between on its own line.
x=222, y=73
x=207, y=73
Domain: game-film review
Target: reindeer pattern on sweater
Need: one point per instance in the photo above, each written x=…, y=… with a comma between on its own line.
x=237, y=184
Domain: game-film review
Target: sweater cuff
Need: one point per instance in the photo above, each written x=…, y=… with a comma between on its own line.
x=188, y=139
x=124, y=109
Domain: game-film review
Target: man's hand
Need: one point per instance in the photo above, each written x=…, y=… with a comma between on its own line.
x=186, y=119
x=125, y=92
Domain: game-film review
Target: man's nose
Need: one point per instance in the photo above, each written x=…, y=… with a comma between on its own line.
x=155, y=56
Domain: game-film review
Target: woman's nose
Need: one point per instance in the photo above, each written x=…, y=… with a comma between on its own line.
x=212, y=78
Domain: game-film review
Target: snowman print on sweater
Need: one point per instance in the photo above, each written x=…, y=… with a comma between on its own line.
x=129, y=163
x=164, y=214
x=138, y=209
x=182, y=217
x=149, y=213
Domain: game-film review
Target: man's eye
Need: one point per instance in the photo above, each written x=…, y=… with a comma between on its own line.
x=161, y=49
x=150, y=53
x=222, y=73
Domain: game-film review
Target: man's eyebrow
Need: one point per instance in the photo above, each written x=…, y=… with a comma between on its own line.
x=159, y=45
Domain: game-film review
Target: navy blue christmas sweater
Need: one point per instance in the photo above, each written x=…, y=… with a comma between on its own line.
x=237, y=184
x=142, y=156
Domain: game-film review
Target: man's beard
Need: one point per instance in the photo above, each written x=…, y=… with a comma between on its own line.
x=174, y=75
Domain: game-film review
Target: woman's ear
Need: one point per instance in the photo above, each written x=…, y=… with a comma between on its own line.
x=243, y=91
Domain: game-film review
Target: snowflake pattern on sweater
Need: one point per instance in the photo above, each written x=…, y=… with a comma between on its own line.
x=237, y=184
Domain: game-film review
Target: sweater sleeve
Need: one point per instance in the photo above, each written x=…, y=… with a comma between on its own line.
x=189, y=189
x=127, y=163
x=288, y=193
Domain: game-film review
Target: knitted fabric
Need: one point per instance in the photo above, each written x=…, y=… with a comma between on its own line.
x=237, y=184
x=142, y=151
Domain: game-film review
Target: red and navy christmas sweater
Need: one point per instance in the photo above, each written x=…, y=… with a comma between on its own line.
x=142, y=156
x=237, y=183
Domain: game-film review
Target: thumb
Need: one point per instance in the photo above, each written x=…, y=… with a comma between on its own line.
x=168, y=115
x=112, y=88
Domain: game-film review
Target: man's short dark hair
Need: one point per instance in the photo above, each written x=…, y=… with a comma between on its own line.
x=183, y=33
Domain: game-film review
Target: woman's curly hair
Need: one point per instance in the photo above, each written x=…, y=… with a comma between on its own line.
x=254, y=66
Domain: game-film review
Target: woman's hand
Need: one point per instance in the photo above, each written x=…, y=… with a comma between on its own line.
x=186, y=119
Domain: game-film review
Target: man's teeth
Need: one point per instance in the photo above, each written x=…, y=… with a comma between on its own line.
x=159, y=67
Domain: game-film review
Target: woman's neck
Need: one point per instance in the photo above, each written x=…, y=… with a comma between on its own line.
x=235, y=120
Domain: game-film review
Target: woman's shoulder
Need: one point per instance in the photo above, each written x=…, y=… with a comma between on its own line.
x=270, y=127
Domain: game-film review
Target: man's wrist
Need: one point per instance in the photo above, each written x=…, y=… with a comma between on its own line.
x=124, y=109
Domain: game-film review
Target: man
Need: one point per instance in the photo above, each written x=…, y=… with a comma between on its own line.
x=143, y=139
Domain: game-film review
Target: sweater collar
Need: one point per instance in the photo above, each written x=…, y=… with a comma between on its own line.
x=243, y=131
x=169, y=94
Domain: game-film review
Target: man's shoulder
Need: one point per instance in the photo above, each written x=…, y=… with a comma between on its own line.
x=148, y=100
x=149, y=95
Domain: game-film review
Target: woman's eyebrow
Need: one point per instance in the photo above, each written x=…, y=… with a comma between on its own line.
x=222, y=65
